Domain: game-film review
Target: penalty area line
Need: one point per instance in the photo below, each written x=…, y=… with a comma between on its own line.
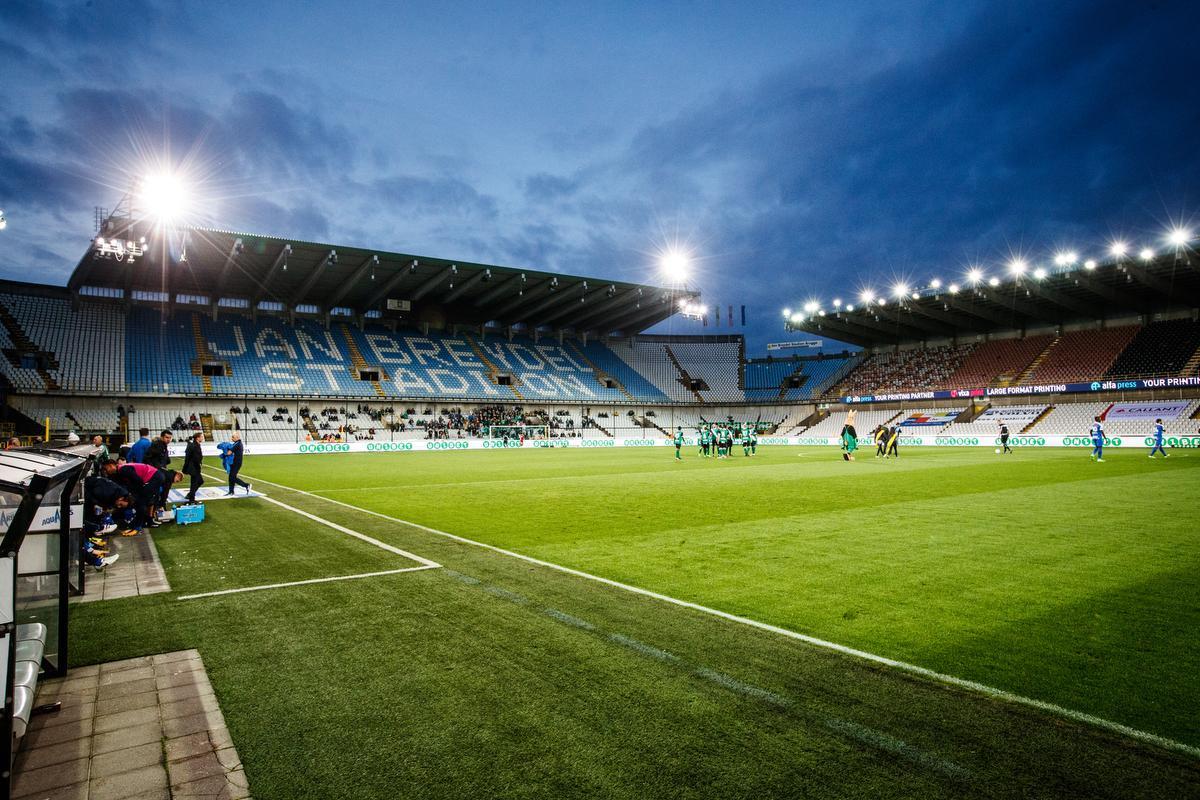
x=424, y=562
x=939, y=677
x=306, y=582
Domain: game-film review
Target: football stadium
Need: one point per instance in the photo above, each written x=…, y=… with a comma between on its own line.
x=689, y=401
x=336, y=521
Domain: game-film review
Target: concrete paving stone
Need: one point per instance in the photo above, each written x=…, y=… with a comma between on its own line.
x=84, y=672
x=177, y=693
x=182, y=726
x=176, y=655
x=217, y=786
x=112, y=690
x=202, y=766
x=71, y=711
x=124, y=664
x=220, y=738
x=194, y=705
x=180, y=679
x=129, y=702
x=36, y=781
x=178, y=668
x=148, y=781
x=126, y=675
x=126, y=719
x=58, y=753
x=189, y=746
x=44, y=737
x=229, y=758
x=126, y=737
x=76, y=791
x=126, y=760
x=76, y=683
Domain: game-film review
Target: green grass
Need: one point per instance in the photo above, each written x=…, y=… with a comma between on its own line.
x=1041, y=573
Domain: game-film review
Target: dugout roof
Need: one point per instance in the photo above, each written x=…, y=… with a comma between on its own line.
x=291, y=276
x=1115, y=288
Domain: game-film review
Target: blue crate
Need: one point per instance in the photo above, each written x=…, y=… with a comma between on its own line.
x=190, y=514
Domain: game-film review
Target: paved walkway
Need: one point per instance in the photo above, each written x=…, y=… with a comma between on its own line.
x=138, y=571
x=141, y=729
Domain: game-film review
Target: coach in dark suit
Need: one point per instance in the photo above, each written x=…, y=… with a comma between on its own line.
x=235, y=463
x=193, y=458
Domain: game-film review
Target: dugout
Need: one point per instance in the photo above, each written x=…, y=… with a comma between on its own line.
x=41, y=516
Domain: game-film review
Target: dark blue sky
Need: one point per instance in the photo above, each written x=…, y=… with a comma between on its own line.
x=798, y=150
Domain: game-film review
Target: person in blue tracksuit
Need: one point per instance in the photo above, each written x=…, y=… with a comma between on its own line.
x=231, y=459
x=1159, y=430
x=137, y=451
x=1098, y=441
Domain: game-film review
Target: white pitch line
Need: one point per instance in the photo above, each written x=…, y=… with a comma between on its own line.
x=962, y=683
x=306, y=582
x=361, y=536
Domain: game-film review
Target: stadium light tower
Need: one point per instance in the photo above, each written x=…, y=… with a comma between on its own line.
x=674, y=264
x=1178, y=237
x=164, y=197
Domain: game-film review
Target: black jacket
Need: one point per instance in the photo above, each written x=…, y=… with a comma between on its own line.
x=157, y=455
x=192, y=458
x=102, y=492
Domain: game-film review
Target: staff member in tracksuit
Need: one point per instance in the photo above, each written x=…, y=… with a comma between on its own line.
x=1004, y=437
x=192, y=460
x=234, y=453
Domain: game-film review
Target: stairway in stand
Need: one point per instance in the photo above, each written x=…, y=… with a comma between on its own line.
x=26, y=345
x=601, y=375
x=206, y=425
x=1192, y=367
x=493, y=371
x=1027, y=373
x=203, y=355
x=357, y=362
x=1040, y=417
x=684, y=378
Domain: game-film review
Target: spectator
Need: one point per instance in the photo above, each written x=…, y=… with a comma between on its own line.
x=193, y=458
x=13, y=443
x=137, y=451
x=102, y=452
x=72, y=438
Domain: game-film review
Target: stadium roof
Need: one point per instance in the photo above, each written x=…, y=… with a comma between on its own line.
x=1118, y=287
x=267, y=274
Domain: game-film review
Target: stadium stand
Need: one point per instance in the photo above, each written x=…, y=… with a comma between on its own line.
x=717, y=364
x=1080, y=355
x=998, y=362
x=1160, y=348
x=906, y=370
x=927, y=421
x=772, y=380
x=864, y=423
x=651, y=359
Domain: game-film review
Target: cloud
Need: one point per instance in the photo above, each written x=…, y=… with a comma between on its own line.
x=431, y=197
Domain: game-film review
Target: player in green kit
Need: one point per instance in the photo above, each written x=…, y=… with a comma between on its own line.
x=753, y=440
x=678, y=443
x=746, y=440
x=705, y=440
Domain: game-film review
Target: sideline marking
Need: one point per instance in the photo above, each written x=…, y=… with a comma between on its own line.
x=306, y=582
x=962, y=683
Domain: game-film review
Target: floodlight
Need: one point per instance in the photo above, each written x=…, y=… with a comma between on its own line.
x=849, y=308
x=1060, y=259
x=916, y=295
x=974, y=275
x=1072, y=257
x=837, y=302
x=674, y=264
x=811, y=306
x=867, y=296
x=994, y=282
x=3, y=221
x=163, y=196
x=703, y=310
x=787, y=312
x=899, y=290
x=1017, y=266
x=1118, y=249
x=881, y=301
x=935, y=284
x=1039, y=273
x=954, y=288
x=1089, y=264
x=1147, y=254
x=1178, y=236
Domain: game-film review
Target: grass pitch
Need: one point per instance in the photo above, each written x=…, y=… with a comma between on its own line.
x=1041, y=573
